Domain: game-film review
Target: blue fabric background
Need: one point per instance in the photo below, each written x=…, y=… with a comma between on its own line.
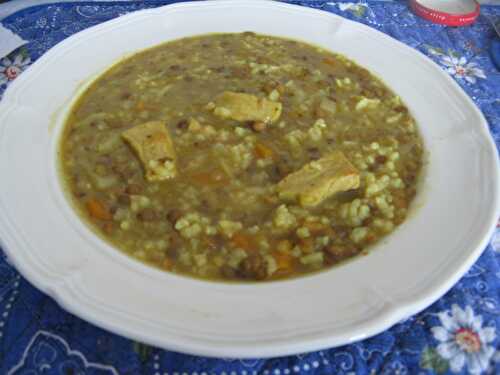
x=457, y=334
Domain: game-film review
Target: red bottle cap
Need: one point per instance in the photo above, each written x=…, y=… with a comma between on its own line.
x=447, y=12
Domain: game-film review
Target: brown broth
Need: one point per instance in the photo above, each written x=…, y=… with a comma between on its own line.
x=220, y=217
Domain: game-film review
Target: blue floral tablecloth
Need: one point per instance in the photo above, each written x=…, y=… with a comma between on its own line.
x=457, y=334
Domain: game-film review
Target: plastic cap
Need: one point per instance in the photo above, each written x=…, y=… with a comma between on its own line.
x=447, y=12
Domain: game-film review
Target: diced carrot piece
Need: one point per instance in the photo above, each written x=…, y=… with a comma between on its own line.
x=243, y=241
x=315, y=227
x=98, y=210
x=216, y=177
x=283, y=261
x=370, y=238
x=330, y=61
x=262, y=151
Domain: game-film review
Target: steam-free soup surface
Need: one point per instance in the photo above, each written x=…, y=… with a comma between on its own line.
x=240, y=157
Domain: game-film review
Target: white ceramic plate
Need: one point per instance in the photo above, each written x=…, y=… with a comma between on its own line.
x=54, y=250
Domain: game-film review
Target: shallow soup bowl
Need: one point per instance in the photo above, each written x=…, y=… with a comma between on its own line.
x=451, y=219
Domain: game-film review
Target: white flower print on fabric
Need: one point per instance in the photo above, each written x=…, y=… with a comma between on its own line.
x=457, y=65
x=459, y=68
x=463, y=340
x=10, y=68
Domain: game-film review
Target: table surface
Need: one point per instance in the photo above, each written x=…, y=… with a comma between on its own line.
x=457, y=334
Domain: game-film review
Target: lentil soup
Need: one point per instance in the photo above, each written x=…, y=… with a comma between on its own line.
x=240, y=157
